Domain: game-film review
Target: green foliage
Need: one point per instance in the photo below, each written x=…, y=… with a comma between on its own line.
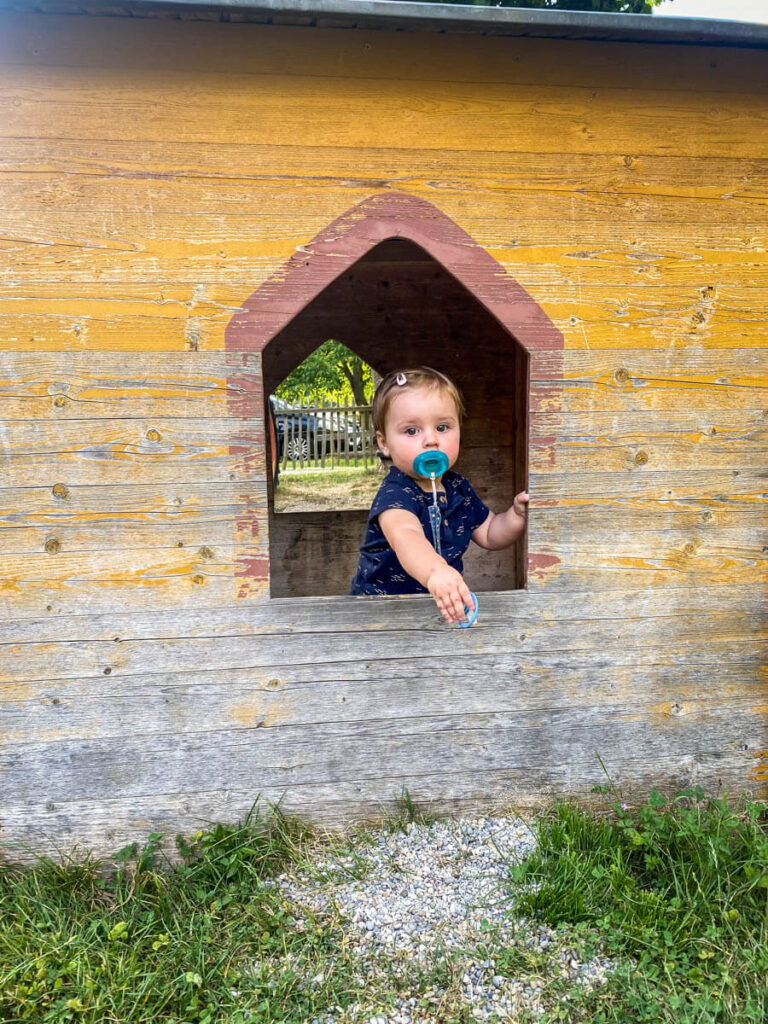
x=675, y=892
x=678, y=888
x=332, y=372
x=207, y=941
x=406, y=812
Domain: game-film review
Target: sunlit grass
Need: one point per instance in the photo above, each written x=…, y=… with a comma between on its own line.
x=326, y=489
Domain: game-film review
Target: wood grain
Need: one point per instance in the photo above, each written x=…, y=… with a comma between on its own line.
x=486, y=116
x=153, y=174
x=513, y=694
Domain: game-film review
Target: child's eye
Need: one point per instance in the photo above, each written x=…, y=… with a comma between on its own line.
x=411, y=431
x=442, y=427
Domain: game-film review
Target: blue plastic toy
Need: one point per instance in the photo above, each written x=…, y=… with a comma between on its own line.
x=432, y=465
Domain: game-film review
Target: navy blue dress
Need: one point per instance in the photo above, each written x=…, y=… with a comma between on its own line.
x=378, y=570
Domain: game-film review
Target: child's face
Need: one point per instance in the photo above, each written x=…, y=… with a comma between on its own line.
x=419, y=420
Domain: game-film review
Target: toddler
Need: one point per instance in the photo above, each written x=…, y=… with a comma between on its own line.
x=418, y=411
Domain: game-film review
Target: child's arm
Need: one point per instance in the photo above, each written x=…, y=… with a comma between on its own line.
x=499, y=531
x=405, y=536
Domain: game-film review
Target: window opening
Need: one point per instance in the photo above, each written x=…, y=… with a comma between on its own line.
x=399, y=306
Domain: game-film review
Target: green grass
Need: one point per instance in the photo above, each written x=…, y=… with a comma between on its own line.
x=208, y=940
x=676, y=893
x=325, y=489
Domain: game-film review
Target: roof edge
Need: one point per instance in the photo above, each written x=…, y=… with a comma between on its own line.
x=397, y=15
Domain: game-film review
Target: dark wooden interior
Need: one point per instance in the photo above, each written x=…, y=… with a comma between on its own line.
x=397, y=307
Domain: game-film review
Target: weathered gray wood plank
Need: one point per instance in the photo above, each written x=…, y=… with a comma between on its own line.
x=541, y=749
x=43, y=826
x=319, y=615
x=426, y=637
x=667, y=681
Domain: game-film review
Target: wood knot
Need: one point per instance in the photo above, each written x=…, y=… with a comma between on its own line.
x=59, y=401
x=153, y=435
x=273, y=684
x=690, y=549
x=206, y=553
x=107, y=671
x=641, y=458
x=60, y=491
x=197, y=578
x=52, y=546
x=622, y=375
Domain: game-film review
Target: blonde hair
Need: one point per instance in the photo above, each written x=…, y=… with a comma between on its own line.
x=402, y=380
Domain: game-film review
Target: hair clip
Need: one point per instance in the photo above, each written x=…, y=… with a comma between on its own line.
x=401, y=379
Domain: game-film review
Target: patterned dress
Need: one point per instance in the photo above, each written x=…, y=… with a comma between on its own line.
x=378, y=570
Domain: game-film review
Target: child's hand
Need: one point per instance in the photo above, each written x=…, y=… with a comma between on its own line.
x=450, y=592
x=520, y=504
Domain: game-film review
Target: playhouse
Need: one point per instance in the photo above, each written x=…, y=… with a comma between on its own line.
x=567, y=213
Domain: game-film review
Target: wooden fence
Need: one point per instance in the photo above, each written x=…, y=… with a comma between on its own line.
x=319, y=435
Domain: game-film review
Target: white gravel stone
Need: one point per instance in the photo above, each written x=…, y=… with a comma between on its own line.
x=434, y=888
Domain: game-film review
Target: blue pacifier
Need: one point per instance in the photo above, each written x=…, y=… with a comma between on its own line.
x=431, y=464
x=434, y=464
x=471, y=615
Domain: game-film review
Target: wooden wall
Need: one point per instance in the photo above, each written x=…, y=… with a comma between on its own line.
x=153, y=174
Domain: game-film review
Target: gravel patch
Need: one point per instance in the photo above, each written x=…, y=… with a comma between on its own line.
x=410, y=899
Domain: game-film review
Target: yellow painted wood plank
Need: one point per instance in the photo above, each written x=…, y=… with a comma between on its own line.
x=598, y=257
x=77, y=385
x=636, y=380
x=589, y=566
x=68, y=300
x=227, y=203
x=118, y=104
x=65, y=169
x=551, y=522
x=658, y=380
x=661, y=323
x=645, y=493
x=131, y=504
x=717, y=448
x=590, y=234
x=160, y=578
x=112, y=451
x=204, y=537
x=215, y=532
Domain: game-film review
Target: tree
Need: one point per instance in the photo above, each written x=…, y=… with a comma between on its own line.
x=595, y=6
x=331, y=371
